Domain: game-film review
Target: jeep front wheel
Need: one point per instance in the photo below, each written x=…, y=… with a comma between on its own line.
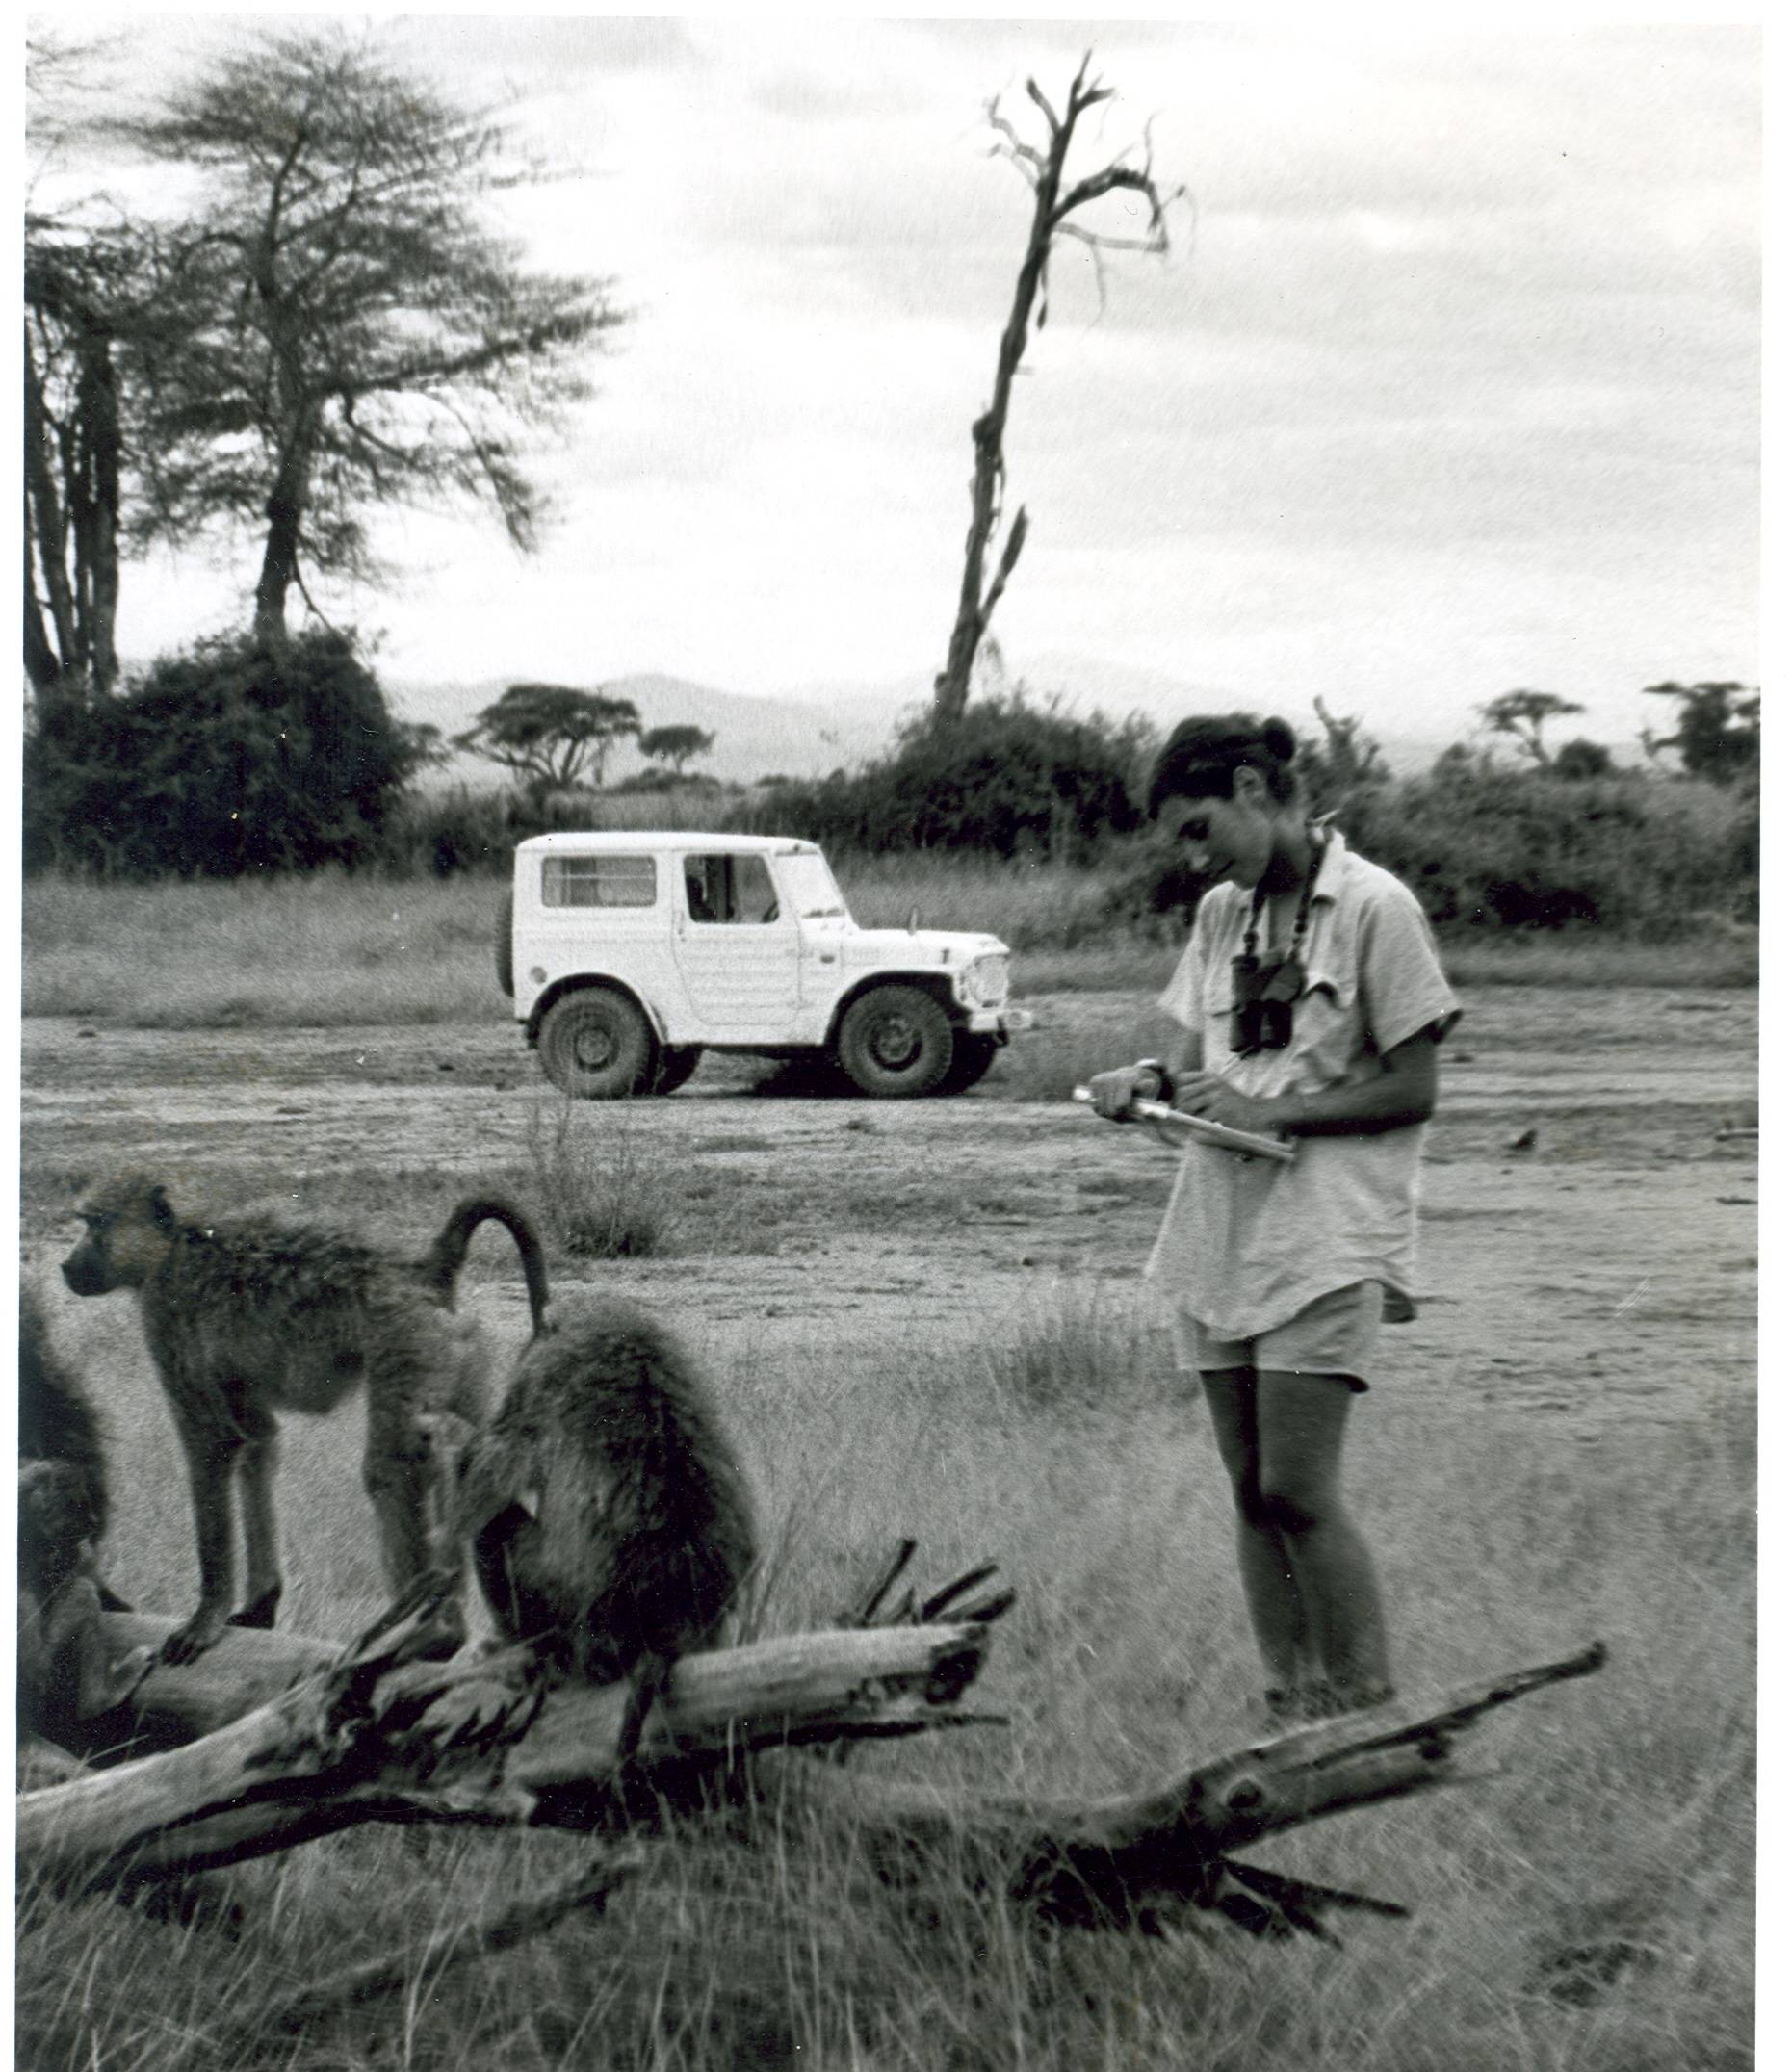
x=895, y=1043
x=596, y=1046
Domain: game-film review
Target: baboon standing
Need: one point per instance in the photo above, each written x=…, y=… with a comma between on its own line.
x=609, y=1518
x=254, y=1317
x=64, y=1673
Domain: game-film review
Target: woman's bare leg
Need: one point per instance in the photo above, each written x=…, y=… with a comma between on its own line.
x=1300, y=1423
x=1272, y=1598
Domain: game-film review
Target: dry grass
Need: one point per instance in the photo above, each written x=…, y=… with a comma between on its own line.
x=337, y=951
x=1587, y=1908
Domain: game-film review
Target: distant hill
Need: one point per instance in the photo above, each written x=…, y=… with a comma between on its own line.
x=817, y=727
x=754, y=737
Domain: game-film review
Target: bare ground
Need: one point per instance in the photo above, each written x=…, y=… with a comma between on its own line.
x=1606, y=1269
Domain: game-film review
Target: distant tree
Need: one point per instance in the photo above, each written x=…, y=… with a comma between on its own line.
x=551, y=736
x=339, y=327
x=230, y=758
x=1582, y=758
x=1346, y=762
x=1719, y=733
x=1055, y=206
x=1523, y=714
x=676, y=745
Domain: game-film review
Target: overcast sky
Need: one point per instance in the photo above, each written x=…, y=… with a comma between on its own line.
x=1450, y=385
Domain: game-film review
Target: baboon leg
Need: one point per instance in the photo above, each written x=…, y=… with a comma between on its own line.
x=211, y=1460
x=648, y=1686
x=260, y=1537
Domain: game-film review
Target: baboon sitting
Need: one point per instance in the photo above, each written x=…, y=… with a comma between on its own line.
x=609, y=1520
x=254, y=1317
x=64, y=1672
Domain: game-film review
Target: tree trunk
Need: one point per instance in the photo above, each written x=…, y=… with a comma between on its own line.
x=46, y=525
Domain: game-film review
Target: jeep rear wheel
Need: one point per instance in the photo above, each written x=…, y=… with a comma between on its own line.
x=597, y=1046
x=895, y=1043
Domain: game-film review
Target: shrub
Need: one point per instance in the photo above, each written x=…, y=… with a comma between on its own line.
x=231, y=757
x=1012, y=778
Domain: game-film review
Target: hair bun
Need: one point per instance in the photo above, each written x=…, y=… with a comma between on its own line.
x=1279, y=739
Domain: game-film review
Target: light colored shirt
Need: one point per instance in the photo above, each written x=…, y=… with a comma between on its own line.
x=1247, y=1243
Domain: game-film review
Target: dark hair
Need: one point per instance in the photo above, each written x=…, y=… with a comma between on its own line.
x=1202, y=756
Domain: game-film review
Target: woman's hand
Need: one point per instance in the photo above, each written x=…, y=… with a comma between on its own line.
x=1216, y=1100
x=1113, y=1093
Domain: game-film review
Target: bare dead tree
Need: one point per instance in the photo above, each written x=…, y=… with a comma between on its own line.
x=1056, y=208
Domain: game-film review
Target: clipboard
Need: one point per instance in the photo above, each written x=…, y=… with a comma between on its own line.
x=1247, y=1143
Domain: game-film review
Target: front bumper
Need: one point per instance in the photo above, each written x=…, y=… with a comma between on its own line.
x=1002, y=1022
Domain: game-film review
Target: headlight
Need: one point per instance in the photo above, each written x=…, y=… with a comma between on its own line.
x=986, y=981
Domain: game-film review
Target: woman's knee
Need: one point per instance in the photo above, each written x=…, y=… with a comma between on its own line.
x=1297, y=1507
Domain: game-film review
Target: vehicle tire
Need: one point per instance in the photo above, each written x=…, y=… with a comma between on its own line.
x=677, y=1063
x=501, y=947
x=895, y=1043
x=972, y=1057
x=596, y=1045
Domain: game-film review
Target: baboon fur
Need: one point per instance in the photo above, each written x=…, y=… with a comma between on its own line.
x=64, y=1673
x=609, y=1518
x=254, y=1317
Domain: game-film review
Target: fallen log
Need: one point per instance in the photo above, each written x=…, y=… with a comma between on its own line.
x=384, y=1735
x=379, y=1734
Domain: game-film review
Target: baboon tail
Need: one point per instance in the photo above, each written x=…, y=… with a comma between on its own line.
x=449, y=1253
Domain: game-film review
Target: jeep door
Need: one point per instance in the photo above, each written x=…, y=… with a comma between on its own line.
x=738, y=950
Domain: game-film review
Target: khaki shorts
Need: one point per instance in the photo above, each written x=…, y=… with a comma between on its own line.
x=1334, y=1336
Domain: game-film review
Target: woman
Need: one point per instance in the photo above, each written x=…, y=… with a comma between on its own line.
x=1310, y=1004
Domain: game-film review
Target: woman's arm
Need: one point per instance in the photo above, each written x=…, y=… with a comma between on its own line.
x=1404, y=1092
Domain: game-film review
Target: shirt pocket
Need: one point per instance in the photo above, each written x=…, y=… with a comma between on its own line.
x=1216, y=989
x=1327, y=1029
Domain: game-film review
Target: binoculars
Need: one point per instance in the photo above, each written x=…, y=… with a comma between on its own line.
x=1263, y=1003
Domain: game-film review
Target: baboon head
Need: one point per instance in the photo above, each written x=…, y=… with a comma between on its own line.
x=130, y=1227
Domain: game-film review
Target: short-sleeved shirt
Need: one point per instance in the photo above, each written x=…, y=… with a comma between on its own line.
x=1247, y=1243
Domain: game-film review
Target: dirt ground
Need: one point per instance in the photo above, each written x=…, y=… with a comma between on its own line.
x=1606, y=1268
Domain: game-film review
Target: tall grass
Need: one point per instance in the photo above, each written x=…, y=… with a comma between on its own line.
x=334, y=949
x=1586, y=1906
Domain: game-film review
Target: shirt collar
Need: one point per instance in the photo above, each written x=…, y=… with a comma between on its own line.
x=1331, y=879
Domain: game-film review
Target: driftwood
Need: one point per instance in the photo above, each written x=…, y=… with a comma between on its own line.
x=377, y=1733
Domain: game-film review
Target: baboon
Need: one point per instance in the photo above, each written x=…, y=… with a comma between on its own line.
x=610, y=1520
x=247, y=1319
x=64, y=1673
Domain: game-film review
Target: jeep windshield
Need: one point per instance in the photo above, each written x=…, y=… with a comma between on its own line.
x=808, y=885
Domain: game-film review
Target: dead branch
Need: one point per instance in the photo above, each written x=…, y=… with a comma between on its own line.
x=1121, y=1861
x=1053, y=207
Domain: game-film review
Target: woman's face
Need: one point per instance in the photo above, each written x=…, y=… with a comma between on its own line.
x=1227, y=839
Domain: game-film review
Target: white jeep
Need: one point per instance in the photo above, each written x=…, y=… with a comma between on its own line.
x=630, y=955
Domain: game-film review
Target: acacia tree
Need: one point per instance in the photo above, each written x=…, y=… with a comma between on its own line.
x=1719, y=732
x=676, y=745
x=1056, y=208
x=83, y=280
x=79, y=295
x=551, y=735
x=340, y=327
x=1523, y=714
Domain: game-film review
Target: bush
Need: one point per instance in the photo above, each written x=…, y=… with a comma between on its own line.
x=232, y=758
x=1493, y=845
x=1013, y=778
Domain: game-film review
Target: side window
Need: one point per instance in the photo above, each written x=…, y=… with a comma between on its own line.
x=730, y=889
x=597, y=881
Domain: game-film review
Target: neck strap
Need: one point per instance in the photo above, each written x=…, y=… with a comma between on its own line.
x=1317, y=838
